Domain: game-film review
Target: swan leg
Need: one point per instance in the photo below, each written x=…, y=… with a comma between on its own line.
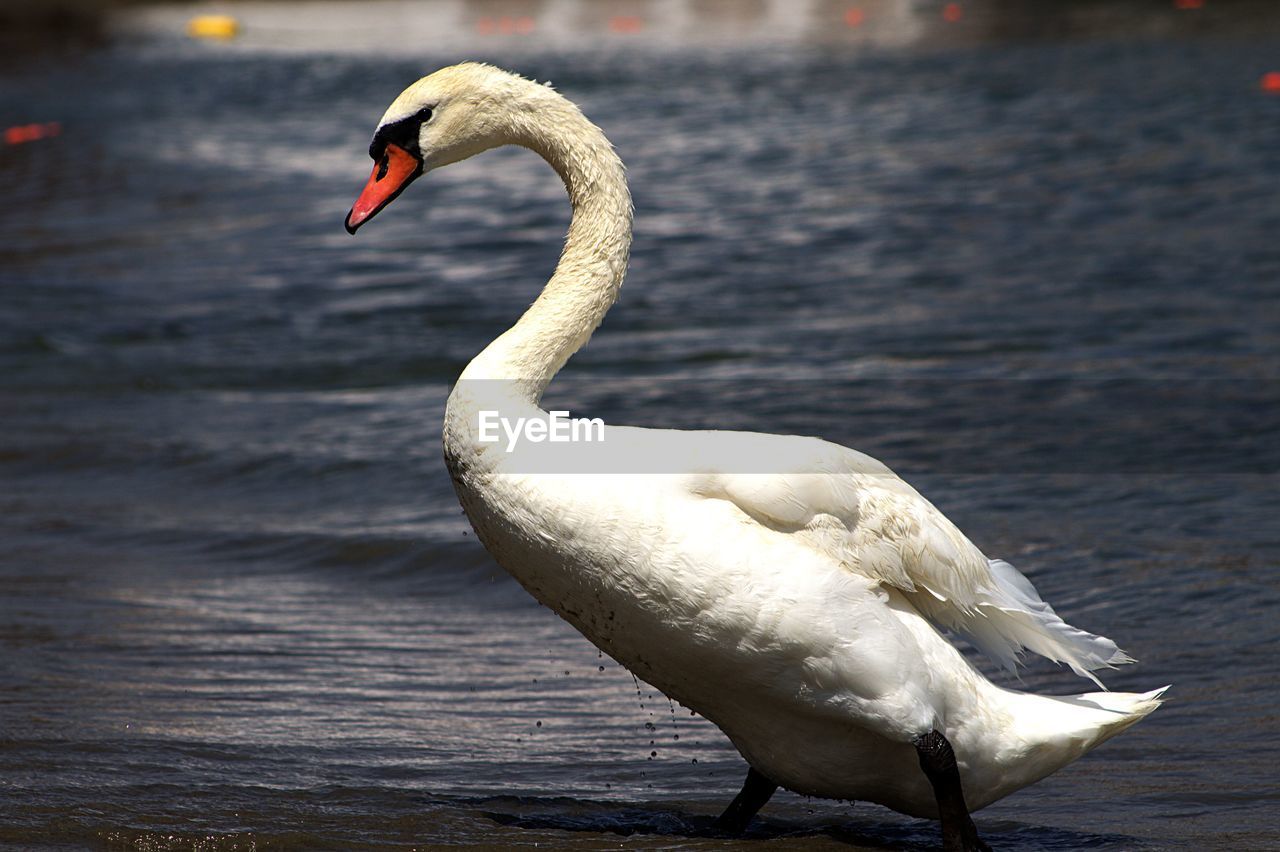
x=938, y=761
x=755, y=792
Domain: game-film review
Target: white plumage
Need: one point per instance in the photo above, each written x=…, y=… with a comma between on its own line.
x=788, y=589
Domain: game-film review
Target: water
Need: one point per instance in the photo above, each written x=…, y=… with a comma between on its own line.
x=1033, y=268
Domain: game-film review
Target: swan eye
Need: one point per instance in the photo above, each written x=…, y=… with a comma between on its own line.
x=424, y=114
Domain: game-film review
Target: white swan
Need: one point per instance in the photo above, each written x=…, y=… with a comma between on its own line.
x=788, y=589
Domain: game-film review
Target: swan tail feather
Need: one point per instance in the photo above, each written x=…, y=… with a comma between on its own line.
x=1128, y=704
x=1070, y=725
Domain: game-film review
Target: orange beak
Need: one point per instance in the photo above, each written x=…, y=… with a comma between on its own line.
x=391, y=175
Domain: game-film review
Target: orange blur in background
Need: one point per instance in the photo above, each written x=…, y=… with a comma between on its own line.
x=21, y=133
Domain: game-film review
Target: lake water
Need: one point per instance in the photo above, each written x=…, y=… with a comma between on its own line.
x=1032, y=263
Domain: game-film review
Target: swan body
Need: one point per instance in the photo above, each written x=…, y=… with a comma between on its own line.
x=788, y=589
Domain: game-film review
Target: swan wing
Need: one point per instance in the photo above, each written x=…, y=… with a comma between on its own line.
x=858, y=513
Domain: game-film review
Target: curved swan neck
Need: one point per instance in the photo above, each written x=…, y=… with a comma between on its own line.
x=594, y=260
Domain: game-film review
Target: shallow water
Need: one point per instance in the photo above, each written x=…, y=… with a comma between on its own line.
x=1032, y=269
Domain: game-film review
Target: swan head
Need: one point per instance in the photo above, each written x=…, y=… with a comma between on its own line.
x=445, y=117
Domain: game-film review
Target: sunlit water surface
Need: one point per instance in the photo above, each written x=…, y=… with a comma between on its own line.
x=239, y=606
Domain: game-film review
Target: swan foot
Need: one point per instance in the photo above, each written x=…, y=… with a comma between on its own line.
x=938, y=761
x=756, y=791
